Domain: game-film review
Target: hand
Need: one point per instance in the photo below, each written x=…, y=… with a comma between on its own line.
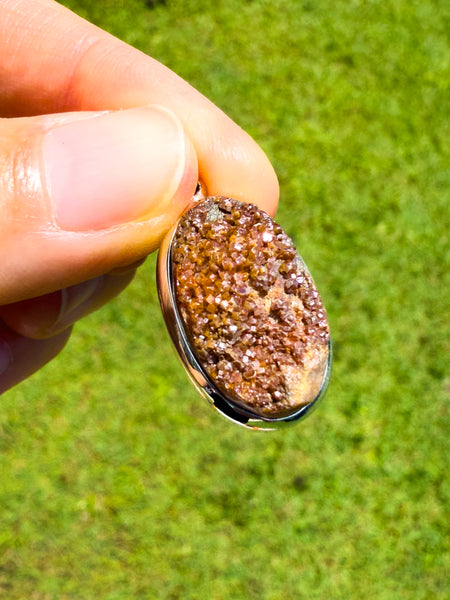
x=88, y=189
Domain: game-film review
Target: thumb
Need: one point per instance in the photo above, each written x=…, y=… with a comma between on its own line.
x=84, y=193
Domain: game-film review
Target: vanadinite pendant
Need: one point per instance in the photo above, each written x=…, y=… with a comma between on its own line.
x=249, y=308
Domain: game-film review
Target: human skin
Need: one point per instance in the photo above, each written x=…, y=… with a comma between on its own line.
x=101, y=150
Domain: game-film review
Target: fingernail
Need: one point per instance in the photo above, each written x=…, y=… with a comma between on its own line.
x=73, y=300
x=75, y=295
x=44, y=316
x=112, y=168
x=5, y=356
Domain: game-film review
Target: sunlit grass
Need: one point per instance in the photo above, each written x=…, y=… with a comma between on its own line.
x=118, y=482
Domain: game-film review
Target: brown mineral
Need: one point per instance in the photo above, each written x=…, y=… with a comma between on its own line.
x=249, y=308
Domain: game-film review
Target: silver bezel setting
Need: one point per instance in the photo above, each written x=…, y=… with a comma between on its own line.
x=206, y=387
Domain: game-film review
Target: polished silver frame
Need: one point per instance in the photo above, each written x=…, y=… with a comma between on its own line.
x=224, y=405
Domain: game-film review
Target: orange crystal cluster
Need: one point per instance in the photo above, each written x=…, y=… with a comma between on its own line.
x=250, y=308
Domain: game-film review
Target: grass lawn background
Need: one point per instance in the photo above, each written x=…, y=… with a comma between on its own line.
x=118, y=482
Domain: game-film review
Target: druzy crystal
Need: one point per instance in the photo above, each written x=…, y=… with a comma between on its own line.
x=249, y=307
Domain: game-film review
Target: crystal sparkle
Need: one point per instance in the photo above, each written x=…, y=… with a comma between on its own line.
x=249, y=307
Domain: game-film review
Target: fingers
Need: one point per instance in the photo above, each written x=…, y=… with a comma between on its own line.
x=21, y=356
x=33, y=332
x=87, y=193
x=79, y=67
x=48, y=315
x=82, y=194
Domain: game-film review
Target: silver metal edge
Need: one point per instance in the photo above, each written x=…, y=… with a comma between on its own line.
x=195, y=372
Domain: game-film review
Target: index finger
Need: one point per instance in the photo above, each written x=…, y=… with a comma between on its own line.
x=52, y=60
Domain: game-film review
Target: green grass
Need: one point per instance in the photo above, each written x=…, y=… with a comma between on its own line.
x=118, y=482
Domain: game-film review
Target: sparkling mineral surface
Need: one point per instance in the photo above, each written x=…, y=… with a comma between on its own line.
x=250, y=308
